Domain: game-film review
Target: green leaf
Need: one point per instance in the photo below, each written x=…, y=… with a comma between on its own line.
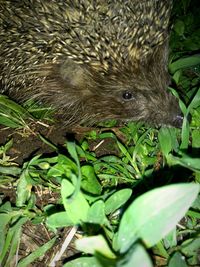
x=195, y=101
x=177, y=76
x=59, y=219
x=167, y=139
x=184, y=63
x=71, y=146
x=128, y=156
x=185, y=134
x=15, y=171
x=185, y=129
x=63, y=167
x=154, y=214
x=76, y=206
x=89, y=180
x=196, y=138
x=5, y=219
x=7, y=146
x=177, y=260
x=116, y=200
x=193, y=214
x=12, y=241
x=39, y=252
x=136, y=256
x=96, y=213
x=5, y=207
x=95, y=244
x=83, y=262
x=14, y=235
x=9, y=122
x=185, y=161
x=190, y=248
x=8, y=103
x=12, y=114
x=160, y=249
x=171, y=239
x=23, y=188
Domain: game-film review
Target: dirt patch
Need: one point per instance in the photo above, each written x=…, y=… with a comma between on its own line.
x=27, y=143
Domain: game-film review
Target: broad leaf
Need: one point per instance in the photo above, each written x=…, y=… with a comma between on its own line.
x=83, y=262
x=94, y=244
x=117, y=199
x=154, y=214
x=136, y=256
x=75, y=205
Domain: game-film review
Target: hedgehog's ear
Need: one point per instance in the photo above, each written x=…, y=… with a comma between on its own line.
x=68, y=74
x=72, y=73
x=63, y=82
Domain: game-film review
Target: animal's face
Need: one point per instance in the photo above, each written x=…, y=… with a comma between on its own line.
x=151, y=106
x=140, y=93
x=83, y=95
x=140, y=97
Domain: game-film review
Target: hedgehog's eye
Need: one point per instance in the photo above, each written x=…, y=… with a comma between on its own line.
x=127, y=95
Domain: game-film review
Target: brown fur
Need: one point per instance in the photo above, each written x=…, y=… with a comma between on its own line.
x=82, y=57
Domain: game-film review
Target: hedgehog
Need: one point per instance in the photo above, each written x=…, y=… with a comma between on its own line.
x=91, y=60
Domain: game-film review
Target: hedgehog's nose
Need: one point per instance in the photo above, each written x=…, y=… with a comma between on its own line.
x=178, y=121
